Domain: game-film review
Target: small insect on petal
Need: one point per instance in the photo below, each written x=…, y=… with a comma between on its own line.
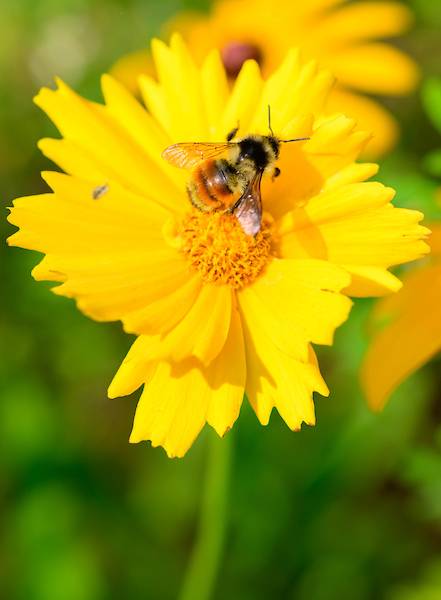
x=99, y=191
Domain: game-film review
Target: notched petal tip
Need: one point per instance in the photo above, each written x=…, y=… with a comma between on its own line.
x=12, y=239
x=39, y=97
x=170, y=451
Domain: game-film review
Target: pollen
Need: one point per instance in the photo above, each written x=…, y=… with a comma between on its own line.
x=219, y=249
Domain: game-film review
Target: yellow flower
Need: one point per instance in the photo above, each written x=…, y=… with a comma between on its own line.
x=216, y=312
x=342, y=36
x=412, y=328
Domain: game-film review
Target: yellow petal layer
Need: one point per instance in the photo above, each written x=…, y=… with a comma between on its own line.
x=177, y=401
x=377, y=68
x=278, y=314
x=93, y=129
x=108, y=252
x=297, y=302
x=370, y=116
x=202, y=332
x=362, y=21
x=306, y=167
x=274, y=379
x=371, y=281
x=129, y=67
x=411, y=339
x=226, y=376
x=181, y=90
x=355, y=226
x=215, y=91
x=244, y=97
x=172, y=409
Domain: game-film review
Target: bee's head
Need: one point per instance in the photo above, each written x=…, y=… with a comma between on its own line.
x=273, y=142
x=261, y=150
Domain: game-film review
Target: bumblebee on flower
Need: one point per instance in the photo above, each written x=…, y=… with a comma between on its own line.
x=217, y=311
x=233, y=185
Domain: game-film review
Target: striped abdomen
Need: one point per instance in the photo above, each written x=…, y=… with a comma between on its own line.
x=214, y=186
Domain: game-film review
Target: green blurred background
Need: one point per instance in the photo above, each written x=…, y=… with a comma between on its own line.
x=350, y=509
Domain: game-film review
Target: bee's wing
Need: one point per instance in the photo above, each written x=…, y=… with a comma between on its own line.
x=248, y=209
x=188, y=154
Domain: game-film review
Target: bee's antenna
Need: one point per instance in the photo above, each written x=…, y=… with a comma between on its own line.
x=294, y=140
x=269, y=121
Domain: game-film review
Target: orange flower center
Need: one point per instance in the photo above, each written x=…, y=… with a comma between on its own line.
x=217, y=247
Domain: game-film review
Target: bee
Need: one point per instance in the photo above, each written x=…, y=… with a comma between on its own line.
x=226, y=176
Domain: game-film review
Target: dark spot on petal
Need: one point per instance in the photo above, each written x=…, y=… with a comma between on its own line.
x=234, y=54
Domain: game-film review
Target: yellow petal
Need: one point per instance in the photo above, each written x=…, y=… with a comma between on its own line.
x=65, y=223
x=129, y=67
x=335, y=144
x=333, y=203
x=164, y=313
x=108, y=252
x=136, y=368
x=363, y=21
x=296, y=302
x=370, y=116
x=74, y=159
x=215, y=90
x=179, y=79
x=226, y=376
x=291, y=91
x=371, y=281
x=275, y=91
x=202, y=332
x=376, y=68
x=274, y=379
x=353, y=173
x=177, y=401
x=382, y=236
x=412, y=337
x=243, y=99
x=138, y=125
x=122, y=291
x=118, y=155
x=155, y=99
x=172, y=409
x=356, y=226
x=114, y=204
x=348, y=200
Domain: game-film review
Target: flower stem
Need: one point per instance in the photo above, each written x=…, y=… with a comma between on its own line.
x=200, y=578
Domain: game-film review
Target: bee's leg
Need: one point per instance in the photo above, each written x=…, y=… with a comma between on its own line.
x=232, y=133
x=276, y=172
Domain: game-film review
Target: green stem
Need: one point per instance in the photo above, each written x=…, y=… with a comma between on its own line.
x=200, y=576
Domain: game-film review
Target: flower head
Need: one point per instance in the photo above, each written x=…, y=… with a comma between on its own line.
x=343, y=37
x=217, y=312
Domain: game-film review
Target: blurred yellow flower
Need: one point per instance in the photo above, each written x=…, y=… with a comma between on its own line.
x=216, y=312
x=411, y=332
x=342, y=36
